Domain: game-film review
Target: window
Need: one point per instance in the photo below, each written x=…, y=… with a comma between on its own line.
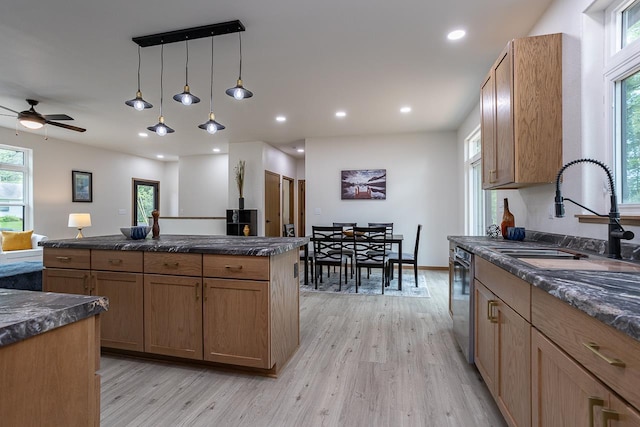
x=474, y=217
x=15, y=188
x=146, y=198
x=622, y=76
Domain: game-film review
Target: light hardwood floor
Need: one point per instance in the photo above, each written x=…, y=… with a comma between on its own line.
x=363, y=361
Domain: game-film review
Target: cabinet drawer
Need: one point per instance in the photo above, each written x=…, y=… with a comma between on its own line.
x=572, y=330
x=514, y=291
x=173, y=263
x=79, y=259
x=128, y=261
x=236, y=267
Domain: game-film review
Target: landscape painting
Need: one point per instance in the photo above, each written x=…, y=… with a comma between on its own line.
x=364, y=184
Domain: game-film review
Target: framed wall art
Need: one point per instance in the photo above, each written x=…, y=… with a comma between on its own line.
x=364, y=184
x=81, y=186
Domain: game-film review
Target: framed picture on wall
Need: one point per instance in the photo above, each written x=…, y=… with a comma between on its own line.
x=81, y=186
x=364, y=184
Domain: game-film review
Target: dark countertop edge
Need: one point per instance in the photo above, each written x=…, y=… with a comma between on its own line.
x=251, y=246
x=627, y=323
x=54, y=318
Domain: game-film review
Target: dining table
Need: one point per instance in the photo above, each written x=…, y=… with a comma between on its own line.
x=395, y=239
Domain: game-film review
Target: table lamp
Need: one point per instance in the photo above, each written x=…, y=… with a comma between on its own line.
x=79, y=221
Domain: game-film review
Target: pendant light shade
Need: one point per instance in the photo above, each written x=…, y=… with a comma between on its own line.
x=138, y=103
x=238, y=91
x=160, y=128
x=211, y=125
x=186, y=97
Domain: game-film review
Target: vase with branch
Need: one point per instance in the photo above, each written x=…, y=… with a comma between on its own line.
x=239, y=170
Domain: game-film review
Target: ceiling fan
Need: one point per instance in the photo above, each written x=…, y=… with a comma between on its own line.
x=33, y=120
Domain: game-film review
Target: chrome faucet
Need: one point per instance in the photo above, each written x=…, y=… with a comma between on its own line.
x=616, y=232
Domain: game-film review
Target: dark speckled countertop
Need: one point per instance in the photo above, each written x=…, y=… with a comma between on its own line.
x=24, y=314
x=220, y=245
x=610, y=296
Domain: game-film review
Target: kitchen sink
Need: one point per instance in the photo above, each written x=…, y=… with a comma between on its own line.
x=539, y=253
x=562, y=259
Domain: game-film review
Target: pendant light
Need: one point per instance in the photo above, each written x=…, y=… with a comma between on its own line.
x=138, y=103
x=211, y=125
x=186, y=98
x=160, y=128
x=239, y=92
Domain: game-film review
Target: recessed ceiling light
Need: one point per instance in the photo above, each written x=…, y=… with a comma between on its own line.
x=341, y=114
x=300, y=150
x=281, y=119
x=456, y=34
x=143, y=134
x=160, y=156
x=405, y=110
x=216, y=150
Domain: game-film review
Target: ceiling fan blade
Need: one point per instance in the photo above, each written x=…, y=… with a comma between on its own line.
x=8, y=115
x=9, y=109
x=57, y=117
x=62, y=125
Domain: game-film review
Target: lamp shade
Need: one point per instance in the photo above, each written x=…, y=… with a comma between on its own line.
x=79, y=220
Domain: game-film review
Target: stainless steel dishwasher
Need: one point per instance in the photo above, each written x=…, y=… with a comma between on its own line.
x=462, y=301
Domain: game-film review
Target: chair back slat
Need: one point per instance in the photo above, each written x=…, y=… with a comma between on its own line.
x=288, y=230
x=370, y=244
x=388, y=229
x=327, y=244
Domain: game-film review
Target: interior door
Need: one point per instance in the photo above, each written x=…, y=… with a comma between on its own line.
x=271, y=204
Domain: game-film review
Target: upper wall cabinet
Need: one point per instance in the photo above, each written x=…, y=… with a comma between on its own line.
x=521, y=114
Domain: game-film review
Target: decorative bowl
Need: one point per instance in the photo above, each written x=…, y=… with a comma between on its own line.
x=138, y=232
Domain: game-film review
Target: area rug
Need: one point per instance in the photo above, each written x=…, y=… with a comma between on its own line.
x=372, y=285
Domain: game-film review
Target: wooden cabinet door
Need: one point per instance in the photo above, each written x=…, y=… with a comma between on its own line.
x=237, y=322
x=485, y=341
x=504, y=120
x=488, y=131
x=564, y=393
x=624, y=415
x=122, y=324
x=513, y=352
x=173, y=316
x=66, y=281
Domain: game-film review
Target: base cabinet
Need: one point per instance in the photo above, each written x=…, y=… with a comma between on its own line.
x=236, y=322
x=173, y=316
x=565, y=394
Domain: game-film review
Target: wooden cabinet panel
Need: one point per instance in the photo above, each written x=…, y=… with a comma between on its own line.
x=173, y=316
x=128, y=261
x=66, y=281
x=236, y=267
x=236, y=322
x=488, y=131
x=627, y=416
x=79, y=259
x=175, y=264
x=505, y=163
x=485, y=341
x=122, y=324
x=573, y=330
x=509, y=288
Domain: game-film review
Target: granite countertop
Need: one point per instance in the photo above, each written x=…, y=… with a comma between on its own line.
x=612, y=297
x=220, y=245
x=24, y=314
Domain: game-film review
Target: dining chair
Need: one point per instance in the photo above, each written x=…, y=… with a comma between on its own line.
x=347, y=245
x=289, y=230
x=389, y=231
x=326, y=252
x=407, y=258
x=369, y=246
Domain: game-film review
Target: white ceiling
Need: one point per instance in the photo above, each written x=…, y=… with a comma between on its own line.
x=302, y=59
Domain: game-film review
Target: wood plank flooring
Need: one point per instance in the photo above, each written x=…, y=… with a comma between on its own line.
x=363, y=361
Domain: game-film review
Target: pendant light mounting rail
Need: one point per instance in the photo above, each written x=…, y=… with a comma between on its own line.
x=190, y=33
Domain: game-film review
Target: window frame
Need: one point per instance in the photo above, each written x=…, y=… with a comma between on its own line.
x=619, y=63
x=475, y=217
x=27, y=191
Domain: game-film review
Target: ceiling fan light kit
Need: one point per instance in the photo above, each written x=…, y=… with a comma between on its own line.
x=31, y=119
x=186, y=97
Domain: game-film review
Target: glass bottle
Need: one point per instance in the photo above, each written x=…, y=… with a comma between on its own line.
x=507, y=219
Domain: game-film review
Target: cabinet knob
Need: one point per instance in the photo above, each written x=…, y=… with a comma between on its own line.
x=490, y=316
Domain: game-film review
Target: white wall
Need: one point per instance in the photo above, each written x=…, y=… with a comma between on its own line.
x=421, y=174
x=204, y=185
x=53, y=161
x=583, y=127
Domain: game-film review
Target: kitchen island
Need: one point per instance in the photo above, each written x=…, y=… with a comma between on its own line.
x=49, y=355
x=216, y=300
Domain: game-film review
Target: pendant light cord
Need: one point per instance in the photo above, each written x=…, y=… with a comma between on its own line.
x=186, y=67
x=139, y=60
x=161, y=73
x=240, y=73
x=211, y=89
